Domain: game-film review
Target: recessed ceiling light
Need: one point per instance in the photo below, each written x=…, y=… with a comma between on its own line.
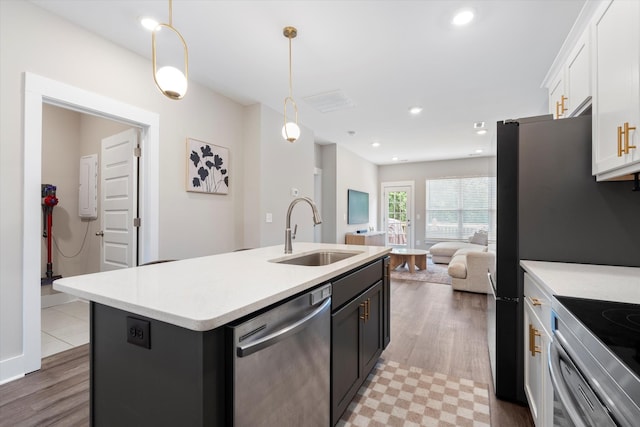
x=394, y=158
x=479, y=151
x=415, y=110
x=375, y=144
x=149, y=23
x=478, y=125
x=481, y=131
x=463, y=17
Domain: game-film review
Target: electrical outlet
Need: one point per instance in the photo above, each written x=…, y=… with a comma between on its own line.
x=138, y=332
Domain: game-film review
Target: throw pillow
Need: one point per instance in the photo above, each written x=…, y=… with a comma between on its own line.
x=480, y=238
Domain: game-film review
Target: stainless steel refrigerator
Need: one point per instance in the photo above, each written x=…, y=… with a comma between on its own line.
x=549, y=208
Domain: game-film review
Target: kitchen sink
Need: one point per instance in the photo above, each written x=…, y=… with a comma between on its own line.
x=316, y=259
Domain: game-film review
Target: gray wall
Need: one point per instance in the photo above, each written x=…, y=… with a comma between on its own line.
x=565, y=215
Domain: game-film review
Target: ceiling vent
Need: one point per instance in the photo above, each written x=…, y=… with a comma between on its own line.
x=330, y=101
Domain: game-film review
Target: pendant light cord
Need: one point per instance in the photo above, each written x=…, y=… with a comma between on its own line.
x=290, y=72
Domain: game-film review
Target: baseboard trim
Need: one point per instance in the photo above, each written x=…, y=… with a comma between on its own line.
x=11, y=369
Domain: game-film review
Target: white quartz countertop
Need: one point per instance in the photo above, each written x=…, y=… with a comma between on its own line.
x=208, y=292
x=601, y=282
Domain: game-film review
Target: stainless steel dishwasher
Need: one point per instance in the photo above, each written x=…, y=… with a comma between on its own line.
x=281, y=364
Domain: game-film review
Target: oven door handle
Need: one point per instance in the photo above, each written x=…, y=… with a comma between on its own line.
x=593, y=412
x=556, y=352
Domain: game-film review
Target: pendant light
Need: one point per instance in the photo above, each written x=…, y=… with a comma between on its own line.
x=170, y=80
x=290, y=130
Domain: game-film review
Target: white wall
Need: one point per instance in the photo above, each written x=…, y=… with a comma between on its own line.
x=60, y=154
x=421, y=171
x=272, y=168
x=191, y=224
x=343, y=170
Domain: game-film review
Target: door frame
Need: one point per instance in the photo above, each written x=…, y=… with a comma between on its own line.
x=37, y=91
x=383, y=208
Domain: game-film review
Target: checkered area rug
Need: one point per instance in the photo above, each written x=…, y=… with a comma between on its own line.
x=397, y=395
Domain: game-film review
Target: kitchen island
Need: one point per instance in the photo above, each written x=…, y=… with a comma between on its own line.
x=160, y=352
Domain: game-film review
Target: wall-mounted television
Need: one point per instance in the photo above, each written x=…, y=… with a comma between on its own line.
x=357, y=207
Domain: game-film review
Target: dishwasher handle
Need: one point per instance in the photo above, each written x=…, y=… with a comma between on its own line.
x=287, y=331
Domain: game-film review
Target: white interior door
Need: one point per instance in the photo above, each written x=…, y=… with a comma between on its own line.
x=397, y=214
x=118, y=200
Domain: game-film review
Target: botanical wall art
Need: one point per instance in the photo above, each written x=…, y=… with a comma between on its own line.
x=207, y=167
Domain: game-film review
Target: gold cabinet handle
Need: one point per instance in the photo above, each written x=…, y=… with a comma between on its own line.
x=533, y=333
x=620, y=150
x=535, y=301
x=562, y=107
x=365, y=310
x=558, y=113
x=626, y=130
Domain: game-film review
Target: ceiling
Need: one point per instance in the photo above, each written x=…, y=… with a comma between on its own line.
x=383, y=56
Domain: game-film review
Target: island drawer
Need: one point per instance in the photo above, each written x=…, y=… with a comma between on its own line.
x=353, y=283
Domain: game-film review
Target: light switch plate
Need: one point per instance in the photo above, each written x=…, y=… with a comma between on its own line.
x=269, y=217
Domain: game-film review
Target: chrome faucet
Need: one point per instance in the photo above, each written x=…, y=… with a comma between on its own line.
x=287, y=232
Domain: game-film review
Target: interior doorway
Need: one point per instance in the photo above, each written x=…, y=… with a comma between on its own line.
x=37, y=92
x=71, y=146
x=397, y=213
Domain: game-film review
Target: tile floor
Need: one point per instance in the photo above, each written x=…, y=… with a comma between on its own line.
x=64, y=326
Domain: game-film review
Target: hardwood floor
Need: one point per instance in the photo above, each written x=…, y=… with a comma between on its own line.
x=56, y=395
x=432, y=327
x=441, y=330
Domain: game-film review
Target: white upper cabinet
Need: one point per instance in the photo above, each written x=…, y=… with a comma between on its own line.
x=570, y=89
x=616, y=89
x=578, y=77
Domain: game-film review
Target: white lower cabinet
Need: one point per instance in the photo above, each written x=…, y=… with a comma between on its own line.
x=537, y=338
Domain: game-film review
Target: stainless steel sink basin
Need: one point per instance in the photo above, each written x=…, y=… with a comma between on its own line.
x=316, y=259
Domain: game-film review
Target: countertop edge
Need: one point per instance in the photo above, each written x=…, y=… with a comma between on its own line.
x=589, y=281
x=216, y=321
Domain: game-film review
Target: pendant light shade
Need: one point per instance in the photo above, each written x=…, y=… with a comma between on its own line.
x=290, y=130
x=171, y=81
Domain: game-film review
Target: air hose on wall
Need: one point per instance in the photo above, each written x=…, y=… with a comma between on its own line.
x=49, y=201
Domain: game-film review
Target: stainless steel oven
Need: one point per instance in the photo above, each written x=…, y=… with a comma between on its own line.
x=594, y=362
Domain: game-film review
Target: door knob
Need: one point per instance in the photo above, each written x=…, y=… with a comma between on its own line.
x=100, y=233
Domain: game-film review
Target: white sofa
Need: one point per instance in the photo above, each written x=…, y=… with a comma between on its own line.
x=442, y=252
x=468, y=269
x=468, y=262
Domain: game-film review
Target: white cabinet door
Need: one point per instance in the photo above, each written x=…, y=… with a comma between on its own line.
x=557, y=96
x=537, y=339
x=570, y=90
x=616, y=89
x=578, y=77
x=533, y=363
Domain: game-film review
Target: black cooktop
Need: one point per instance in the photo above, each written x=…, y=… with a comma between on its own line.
x=616, y=324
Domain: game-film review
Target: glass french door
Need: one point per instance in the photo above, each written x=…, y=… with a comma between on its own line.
x=397, y=215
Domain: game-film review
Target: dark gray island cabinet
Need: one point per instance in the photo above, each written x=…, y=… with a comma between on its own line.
x=146, y=372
